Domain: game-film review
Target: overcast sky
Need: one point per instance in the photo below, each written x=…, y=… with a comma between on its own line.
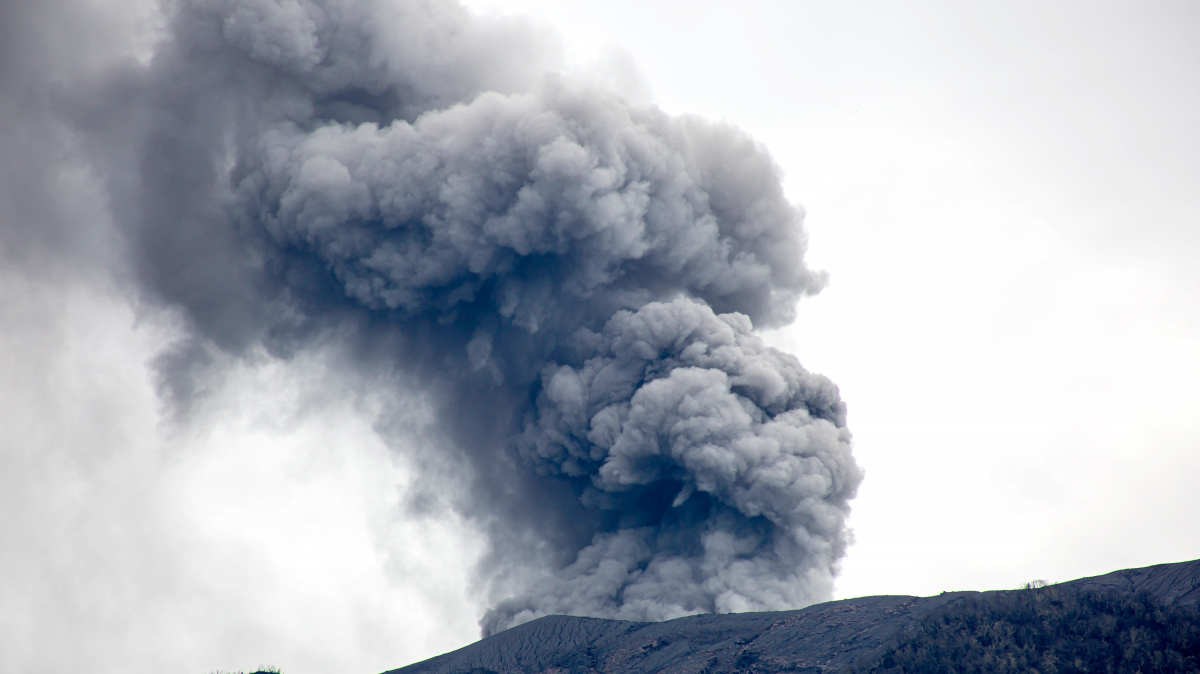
x=1006, y=197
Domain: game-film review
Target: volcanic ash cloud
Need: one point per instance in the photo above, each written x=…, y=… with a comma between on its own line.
x=723, y=467
x=573, y=278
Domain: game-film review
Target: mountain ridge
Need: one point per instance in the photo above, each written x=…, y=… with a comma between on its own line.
x=820, y=638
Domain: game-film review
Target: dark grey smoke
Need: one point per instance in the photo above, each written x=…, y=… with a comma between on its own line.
x=722, y=465
x=573, y=278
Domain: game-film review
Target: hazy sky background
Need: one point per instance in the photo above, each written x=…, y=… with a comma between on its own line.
x=1007, y=199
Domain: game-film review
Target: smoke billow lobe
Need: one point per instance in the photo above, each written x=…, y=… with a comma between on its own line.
x=576, y=277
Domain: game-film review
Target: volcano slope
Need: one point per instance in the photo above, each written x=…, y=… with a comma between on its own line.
x=820, y=638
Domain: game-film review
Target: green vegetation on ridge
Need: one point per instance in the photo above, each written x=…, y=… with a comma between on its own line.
x=1046, y=630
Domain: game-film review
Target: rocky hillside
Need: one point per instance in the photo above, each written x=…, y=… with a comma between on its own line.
x=821, y=638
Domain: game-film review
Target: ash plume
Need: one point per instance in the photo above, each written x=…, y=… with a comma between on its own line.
x=574, y=279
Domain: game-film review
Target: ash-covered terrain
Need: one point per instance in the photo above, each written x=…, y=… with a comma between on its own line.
x=826, y=637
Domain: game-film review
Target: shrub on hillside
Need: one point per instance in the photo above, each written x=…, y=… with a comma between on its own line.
x=1046, y=630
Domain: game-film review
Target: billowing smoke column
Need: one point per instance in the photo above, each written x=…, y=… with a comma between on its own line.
x=724, y=464
x=574, y=278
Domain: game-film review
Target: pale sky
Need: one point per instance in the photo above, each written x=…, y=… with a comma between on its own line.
x=1006, y=199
